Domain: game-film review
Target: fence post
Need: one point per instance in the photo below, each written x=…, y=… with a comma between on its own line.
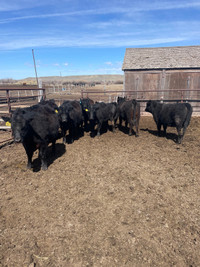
x=8, y=101
x=43, y=94
x=40, y=92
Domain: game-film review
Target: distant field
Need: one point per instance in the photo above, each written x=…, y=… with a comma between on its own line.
x=98, y=92
x=64, y=88
x=82, y=78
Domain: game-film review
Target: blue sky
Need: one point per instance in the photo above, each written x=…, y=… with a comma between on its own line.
x=87, y=37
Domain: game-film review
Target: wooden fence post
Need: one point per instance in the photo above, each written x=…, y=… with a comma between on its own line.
x=8, y=101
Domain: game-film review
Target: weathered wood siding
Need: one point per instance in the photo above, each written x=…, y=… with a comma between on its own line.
x=145, y=81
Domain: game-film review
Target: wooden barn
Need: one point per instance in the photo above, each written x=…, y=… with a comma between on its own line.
x=163, y=73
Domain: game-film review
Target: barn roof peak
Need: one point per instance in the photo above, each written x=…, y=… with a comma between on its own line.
x=177, y=57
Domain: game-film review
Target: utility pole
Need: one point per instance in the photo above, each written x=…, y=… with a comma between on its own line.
x=35, y=68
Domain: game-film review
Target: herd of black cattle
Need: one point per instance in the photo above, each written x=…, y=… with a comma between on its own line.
x=44, y=123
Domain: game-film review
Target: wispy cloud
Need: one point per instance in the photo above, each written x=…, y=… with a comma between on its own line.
x=109, y=63
x=111, y=23
x=12, y=5
x=51, y=26
x=86, y=42
x=117, y=70
x=131, y=9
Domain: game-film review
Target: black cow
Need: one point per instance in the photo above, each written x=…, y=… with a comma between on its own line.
x=71, y=117
x=174, y=115
x=101, y=112
x=50, y=103
x=35, y=127
x=47, y=103
x=129, y=111
x=86, y=107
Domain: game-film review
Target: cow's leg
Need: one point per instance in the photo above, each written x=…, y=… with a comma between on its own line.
x=29, y=152
x=130, y=128
x=179, y=135
x=64, y=136
x=42, y=154
x=71, y=134
x=115, y=123
x=112, y=125
x=29, y=155
x=159, y=128
x=120, y=121
x=137, y=129
x=184, y=130
x=99, y=128
x=165, y=129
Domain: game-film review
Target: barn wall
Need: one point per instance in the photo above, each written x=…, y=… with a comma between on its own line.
x=144, y=82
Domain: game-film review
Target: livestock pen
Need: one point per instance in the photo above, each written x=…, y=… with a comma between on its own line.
x=115, y=200
x=12, y=97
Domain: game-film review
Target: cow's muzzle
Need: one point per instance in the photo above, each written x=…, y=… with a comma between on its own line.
x=17, y=139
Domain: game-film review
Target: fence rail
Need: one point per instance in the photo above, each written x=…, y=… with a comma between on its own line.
x=166, y=95
x=6, y=100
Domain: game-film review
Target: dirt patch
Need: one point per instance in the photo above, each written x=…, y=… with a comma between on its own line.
x=109, y=201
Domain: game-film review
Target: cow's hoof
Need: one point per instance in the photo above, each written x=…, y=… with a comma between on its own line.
x=44, y=167
x=29, y=166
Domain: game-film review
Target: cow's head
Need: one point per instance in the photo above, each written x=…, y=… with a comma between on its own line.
x=92, y=111
x=120, y=99
x=85, y=104
x=63, y=114
x=19, y=125
x=150, y=106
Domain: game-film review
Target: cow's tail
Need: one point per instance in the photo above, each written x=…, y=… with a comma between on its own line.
x=134, y=107
x=189, y=114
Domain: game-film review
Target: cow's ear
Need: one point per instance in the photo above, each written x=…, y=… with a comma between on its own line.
x=134, y=102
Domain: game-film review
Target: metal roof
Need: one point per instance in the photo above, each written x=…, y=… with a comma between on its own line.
x=162, y=58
